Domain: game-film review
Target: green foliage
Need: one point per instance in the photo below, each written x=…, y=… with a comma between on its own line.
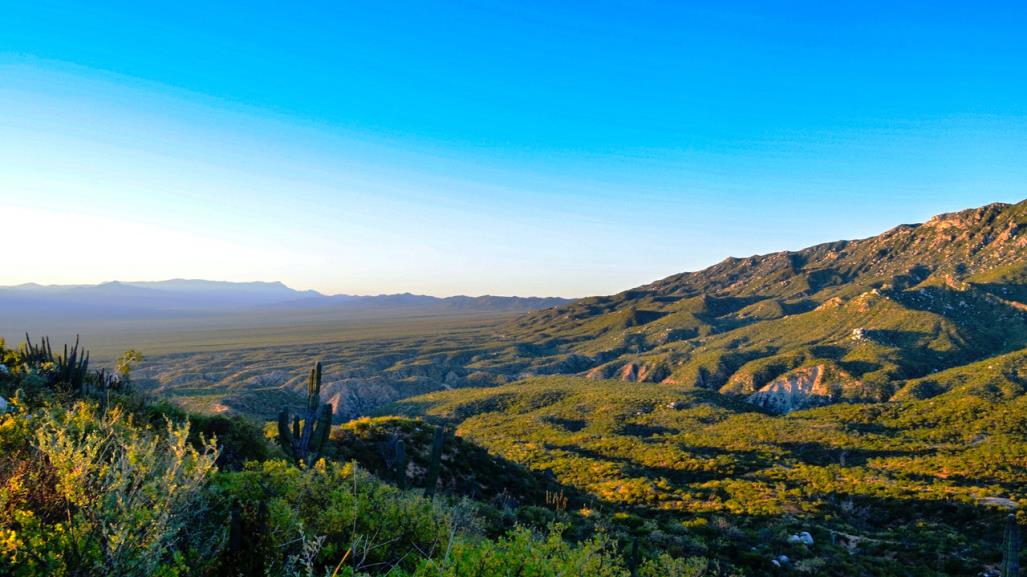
x=918, y=482
x=131, y=488
x=42, y=373
x=465, y=469
x=523, y=553
x=67, y=372
x=124, y=364
x=348, y=510
x=85, y=491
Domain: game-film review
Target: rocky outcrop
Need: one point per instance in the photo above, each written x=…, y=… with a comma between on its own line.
x=803, y=388
x=353, y=398
x=631, y=372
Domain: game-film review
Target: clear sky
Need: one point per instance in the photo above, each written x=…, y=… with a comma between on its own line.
x=507, y=148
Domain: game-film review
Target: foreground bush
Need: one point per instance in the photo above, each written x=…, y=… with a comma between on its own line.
x=335, y=519
x=318, y=516
x=85, y=491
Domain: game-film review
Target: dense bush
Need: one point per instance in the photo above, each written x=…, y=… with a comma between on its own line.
x=85, y=491
x=341, y=508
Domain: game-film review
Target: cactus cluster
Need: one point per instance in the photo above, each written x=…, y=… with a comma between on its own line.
x=36, y=354
x=304, y=439
x=69, y=370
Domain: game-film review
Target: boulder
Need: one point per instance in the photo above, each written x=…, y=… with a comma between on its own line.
x=804, y=537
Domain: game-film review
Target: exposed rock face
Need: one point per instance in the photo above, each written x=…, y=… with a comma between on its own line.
x=353, y=398
x=802, y=388
x=631, y=372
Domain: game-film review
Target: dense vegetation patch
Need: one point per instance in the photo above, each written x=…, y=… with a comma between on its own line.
x=917, y=487
x=97, y=480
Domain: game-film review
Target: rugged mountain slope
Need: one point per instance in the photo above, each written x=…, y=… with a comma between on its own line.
x=873, y=314
x=849, y=320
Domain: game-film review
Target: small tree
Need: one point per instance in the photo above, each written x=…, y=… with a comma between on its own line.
x=125, y=362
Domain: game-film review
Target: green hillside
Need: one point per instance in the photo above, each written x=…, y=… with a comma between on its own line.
x=916, y=487
x=876, y=313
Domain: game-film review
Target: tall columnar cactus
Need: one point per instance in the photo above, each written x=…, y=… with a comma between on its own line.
x=435, y=465
x=306, y=439
x=72, y=367
x=1011, y=548
x=397, y=461
x=35, y=354
x=633, y=558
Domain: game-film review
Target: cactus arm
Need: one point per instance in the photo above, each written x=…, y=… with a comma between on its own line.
x=401, y=464
x=314, y=389
x=322, y=427
x=284, y=434
x=432, y=478
x=1011, y=548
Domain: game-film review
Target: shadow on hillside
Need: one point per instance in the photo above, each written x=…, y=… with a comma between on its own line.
x=1010, y=291
x=819, y=454
x=745, y=462
x=465, y=470
x=967, y=308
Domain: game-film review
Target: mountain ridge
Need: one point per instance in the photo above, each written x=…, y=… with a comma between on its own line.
x=882, y=310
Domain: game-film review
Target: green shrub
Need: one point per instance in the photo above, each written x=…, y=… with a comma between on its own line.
x=521, y=552
x=85, y=491
x=377, y=526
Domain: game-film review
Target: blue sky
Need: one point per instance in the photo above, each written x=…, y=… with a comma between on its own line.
x=505, y=148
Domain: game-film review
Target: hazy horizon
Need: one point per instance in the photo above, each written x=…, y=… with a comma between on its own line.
x=436, y=295
x=372, y=149
x=244, y=282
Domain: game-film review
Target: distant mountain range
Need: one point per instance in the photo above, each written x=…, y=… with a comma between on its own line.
x=186, y=297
